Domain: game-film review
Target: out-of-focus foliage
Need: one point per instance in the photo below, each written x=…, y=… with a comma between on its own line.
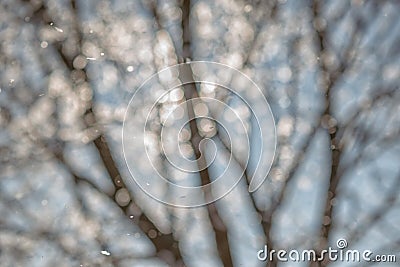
x=329, y=69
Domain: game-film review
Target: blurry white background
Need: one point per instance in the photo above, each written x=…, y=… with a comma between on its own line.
x=68, y=68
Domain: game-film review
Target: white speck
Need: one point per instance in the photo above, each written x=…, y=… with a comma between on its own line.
x=147, y=184
x=105, y=252
x=91, y=58
x=131, y=216
x=128, y=234
x=58, y=29
x=101, y=54
x=51, y=23
x=248, y=8
x=43, y=44
x=90, y=31
x=129, y=68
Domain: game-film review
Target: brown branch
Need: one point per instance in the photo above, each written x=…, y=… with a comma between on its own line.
x=331, y=77
x=100, y=142
x=190, y=92
x=335, y=151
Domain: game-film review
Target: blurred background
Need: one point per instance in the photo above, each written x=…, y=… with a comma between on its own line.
x=330, y=71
